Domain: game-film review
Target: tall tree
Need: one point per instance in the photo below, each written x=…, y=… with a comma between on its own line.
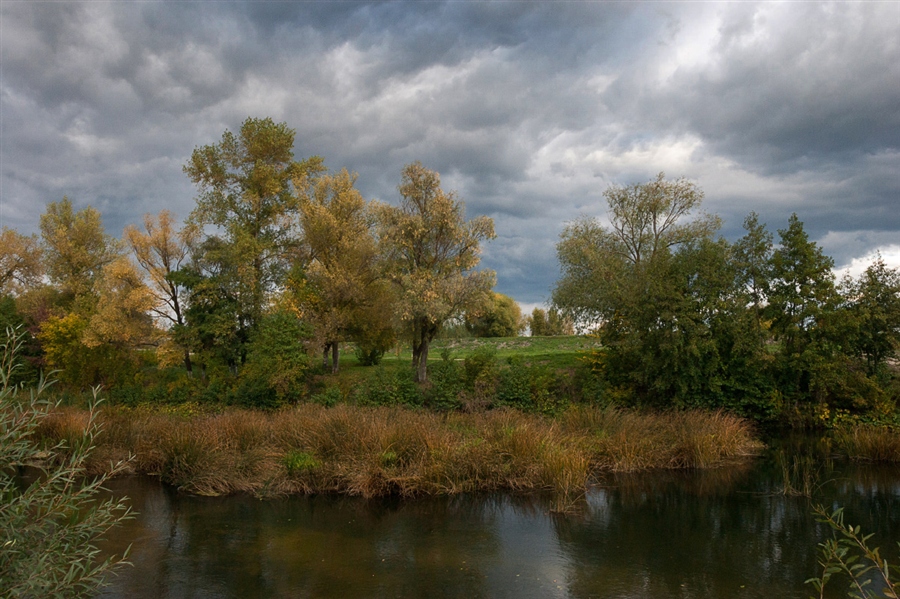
x=76, y=247
x=161, y=251
x=339, y=252
x=802, y=306
x=246, y=184
x=21, y=266
x=430, y=253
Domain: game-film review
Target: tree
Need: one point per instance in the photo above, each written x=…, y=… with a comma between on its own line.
x=51, y=525
x=217, y=327
x=537, y=322
x=79, y=257
x=501, y=318
x=802, y=306
x=21, y=266
x=76, y=247
x=604, y=266
x=161, y=251
x=549, y=323
x=430, y=251
x=873, y=302
x=247, y=190
x=122, y=317
x=339, y=252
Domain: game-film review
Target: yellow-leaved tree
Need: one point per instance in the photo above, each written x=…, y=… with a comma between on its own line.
x=76, y=247
x=161, y=250
x=430, y=252
x=122, y=317
x=21, y=267
x=339, y=254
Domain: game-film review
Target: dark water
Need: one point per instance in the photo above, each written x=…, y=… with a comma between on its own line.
x=724, y=533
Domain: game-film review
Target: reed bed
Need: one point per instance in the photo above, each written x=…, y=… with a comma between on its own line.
x=383, y=451
x=869, y=443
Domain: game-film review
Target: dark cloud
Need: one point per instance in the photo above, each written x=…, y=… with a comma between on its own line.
x=528, y=110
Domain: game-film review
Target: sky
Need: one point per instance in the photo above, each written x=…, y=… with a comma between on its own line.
x=528, y=110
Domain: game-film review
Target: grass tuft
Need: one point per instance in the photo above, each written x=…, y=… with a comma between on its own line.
x=869, y=443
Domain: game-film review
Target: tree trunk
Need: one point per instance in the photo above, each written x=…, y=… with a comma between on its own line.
x=422, y=367
x=335, y=357
x=187, y=362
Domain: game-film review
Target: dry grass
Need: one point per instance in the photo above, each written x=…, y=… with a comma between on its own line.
x=869, y=443
x=393, y=451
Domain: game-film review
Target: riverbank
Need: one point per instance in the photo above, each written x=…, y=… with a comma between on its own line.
x=380, y=451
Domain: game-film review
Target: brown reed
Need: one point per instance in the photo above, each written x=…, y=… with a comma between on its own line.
x=378, y=451
x=869, y=443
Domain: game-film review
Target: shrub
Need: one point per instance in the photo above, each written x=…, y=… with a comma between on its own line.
x=390, y=387
x=514, y=385
x=328, y=398
x=368, y=354
x=50, y=526
x=446, y=384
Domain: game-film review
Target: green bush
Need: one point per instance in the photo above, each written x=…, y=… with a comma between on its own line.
x=391, y=387
x=369, y=354
x=330, y=397
x=514, y=385
x=446, y=382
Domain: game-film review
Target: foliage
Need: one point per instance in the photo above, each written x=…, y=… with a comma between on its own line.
x=76, y=247
x=247, y=187
x=122, y=316
x=51, y=523
x=277, y=361
x=802, y=307
x=502, y=317
x=390, y=387
x=549, y=323
x=297, y=462
x=848, y=553
x=339, y=255
x=21, y=264
x=161, y=251
x=873, y=304
x=81, y=366
x=430, y=251
x=604, y=266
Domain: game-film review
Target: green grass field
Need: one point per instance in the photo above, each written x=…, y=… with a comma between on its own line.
x=554, y=352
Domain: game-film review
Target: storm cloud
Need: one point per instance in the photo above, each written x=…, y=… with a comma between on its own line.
x=528, y=110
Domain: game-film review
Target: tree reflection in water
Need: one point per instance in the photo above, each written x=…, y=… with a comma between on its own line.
x=726, y=532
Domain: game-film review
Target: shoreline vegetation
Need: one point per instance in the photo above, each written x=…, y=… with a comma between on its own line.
x=396, y=451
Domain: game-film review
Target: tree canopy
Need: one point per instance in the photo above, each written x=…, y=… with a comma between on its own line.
x=430, y=251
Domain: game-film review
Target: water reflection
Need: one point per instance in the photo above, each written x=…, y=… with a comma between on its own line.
x=717, y=533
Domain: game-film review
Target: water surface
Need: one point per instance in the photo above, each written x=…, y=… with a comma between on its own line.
x=723, y=533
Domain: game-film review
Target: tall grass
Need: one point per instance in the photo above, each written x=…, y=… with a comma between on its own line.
x=378, y=451
x=869, y=443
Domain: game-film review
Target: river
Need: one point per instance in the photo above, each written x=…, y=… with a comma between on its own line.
x=723, y=533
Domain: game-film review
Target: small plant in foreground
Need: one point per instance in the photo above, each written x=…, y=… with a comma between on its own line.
x=49, y=526
x=848, y=552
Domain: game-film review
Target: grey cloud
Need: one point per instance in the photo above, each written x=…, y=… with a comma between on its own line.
x=507, y=100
